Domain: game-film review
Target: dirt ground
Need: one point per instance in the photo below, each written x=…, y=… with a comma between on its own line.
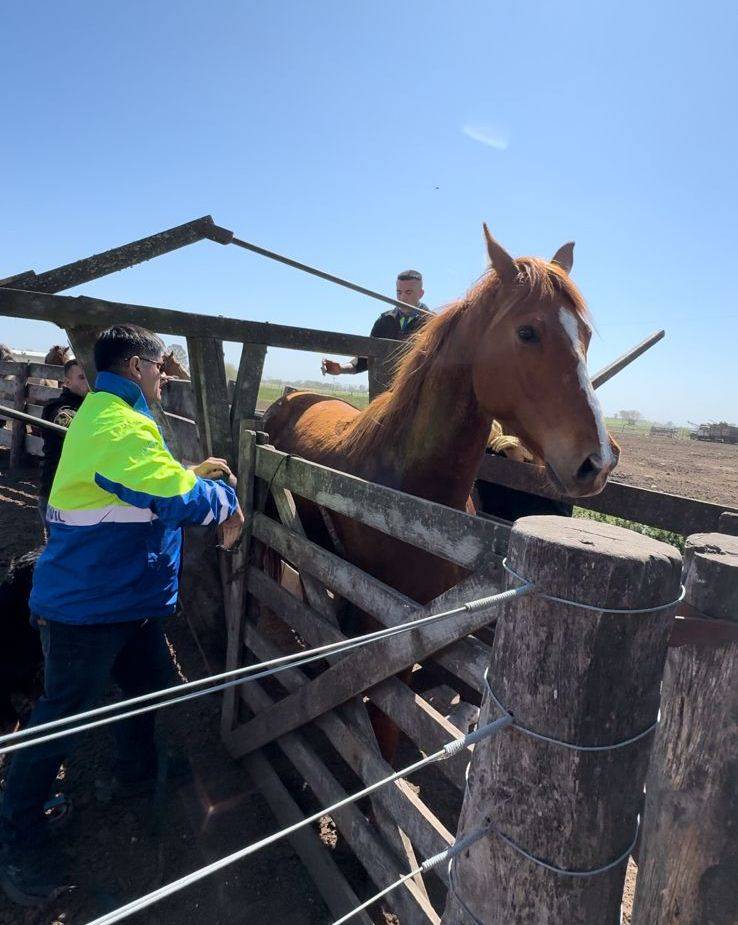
x=708, y=471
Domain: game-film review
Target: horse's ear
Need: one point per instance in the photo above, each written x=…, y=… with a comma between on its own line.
x=500, y=259
x=564, y=256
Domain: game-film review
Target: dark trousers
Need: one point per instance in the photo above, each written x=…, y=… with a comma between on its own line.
x=79, y=661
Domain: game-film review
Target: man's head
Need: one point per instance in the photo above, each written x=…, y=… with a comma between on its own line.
x=132, y=352
x=409, y=287
x=75, y=379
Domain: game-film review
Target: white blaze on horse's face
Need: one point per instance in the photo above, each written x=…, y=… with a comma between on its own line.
x=570, y=324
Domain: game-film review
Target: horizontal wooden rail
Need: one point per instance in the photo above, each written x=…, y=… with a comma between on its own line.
x=466, y=658
x=435, y=528
x=641, y=505
x=97, y=313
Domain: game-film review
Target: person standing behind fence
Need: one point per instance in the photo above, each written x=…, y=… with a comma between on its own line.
x=102, y=587
x=397, y=324
x=60, y=411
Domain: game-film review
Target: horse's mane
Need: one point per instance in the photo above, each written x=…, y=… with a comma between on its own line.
x=386, y=415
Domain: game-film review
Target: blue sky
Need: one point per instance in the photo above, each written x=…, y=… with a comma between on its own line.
x=366, y=138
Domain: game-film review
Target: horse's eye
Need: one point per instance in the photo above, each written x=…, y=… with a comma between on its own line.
x=528, y=334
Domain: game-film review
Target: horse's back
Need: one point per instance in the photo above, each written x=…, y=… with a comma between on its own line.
x=306, y=424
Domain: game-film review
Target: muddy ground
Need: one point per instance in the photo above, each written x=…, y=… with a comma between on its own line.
x=121, y=851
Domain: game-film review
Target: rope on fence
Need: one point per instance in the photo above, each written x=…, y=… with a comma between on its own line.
x=237, y=676
x=143, y=902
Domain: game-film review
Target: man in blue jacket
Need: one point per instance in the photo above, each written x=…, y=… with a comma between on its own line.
x=104, y=584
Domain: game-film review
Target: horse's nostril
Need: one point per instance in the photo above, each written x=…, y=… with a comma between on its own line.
x=589, y=469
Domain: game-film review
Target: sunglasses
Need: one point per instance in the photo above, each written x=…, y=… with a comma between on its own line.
x=158, y=365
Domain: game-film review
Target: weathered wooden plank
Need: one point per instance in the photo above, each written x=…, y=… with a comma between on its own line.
x=24, y=277
x=246, y=389
x=207, y=370
x=423, y=725
x=187, y=439
x=35, y=410
x=67, y=310
x=364, y=667
x=687, y=859
x=6, y=436
x=465, y=658
x=641, y=505
x=728, y=523
x=178, y=397
x=355, y=711
x=398, y=799
x=441, y=530
x=82, y=341
x=118, y=258
x=42, y=393
x=46, y=371
x=7, y=389
x=360, y=834
x=323, y=870
x=581, y=676
x=11, y=367
x=18, y=428
x=34, y=445
x=234, y=586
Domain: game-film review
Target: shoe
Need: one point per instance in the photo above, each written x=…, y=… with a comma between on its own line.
x=29, y=877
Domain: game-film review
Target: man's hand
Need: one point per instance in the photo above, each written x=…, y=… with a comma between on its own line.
x=230, y=530
x=331, y=368
x=214, y=468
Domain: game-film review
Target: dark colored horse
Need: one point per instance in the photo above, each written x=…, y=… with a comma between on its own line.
x=20, y=647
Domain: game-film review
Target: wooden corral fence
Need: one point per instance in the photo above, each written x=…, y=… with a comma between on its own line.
x=584, y=676
x=658, y=430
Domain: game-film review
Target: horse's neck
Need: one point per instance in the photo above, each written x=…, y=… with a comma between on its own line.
x=437, y=453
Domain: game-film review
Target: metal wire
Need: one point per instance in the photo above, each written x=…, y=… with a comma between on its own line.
x=447, y=855
x=596, y=609
x=22, y=738
x=155, y=896
x=571, y=745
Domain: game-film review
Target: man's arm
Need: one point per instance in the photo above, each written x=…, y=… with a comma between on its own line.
x=355, y=365
x=141, y=472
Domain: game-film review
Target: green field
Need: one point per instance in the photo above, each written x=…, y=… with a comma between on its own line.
x=271, y=391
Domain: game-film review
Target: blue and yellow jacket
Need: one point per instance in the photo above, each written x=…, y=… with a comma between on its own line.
x=115, y=510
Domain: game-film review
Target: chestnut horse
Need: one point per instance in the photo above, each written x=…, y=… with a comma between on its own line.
x=514, y=349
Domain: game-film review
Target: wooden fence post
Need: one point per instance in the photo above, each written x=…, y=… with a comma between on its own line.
x=18, y=438
x=207, y=369
x=580, y=676
x=689, y=852
x=728, y=523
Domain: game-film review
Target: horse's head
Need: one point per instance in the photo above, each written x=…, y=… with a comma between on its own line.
x=58, y=355
x=173, y=368
x=530, y=372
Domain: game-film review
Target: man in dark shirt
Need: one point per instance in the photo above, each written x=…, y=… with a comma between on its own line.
x=60, y=411
x=397, y=323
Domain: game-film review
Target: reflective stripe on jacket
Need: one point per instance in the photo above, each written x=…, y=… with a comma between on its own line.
x=115, y=510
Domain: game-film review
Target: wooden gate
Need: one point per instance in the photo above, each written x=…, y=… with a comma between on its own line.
x=333, y=699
